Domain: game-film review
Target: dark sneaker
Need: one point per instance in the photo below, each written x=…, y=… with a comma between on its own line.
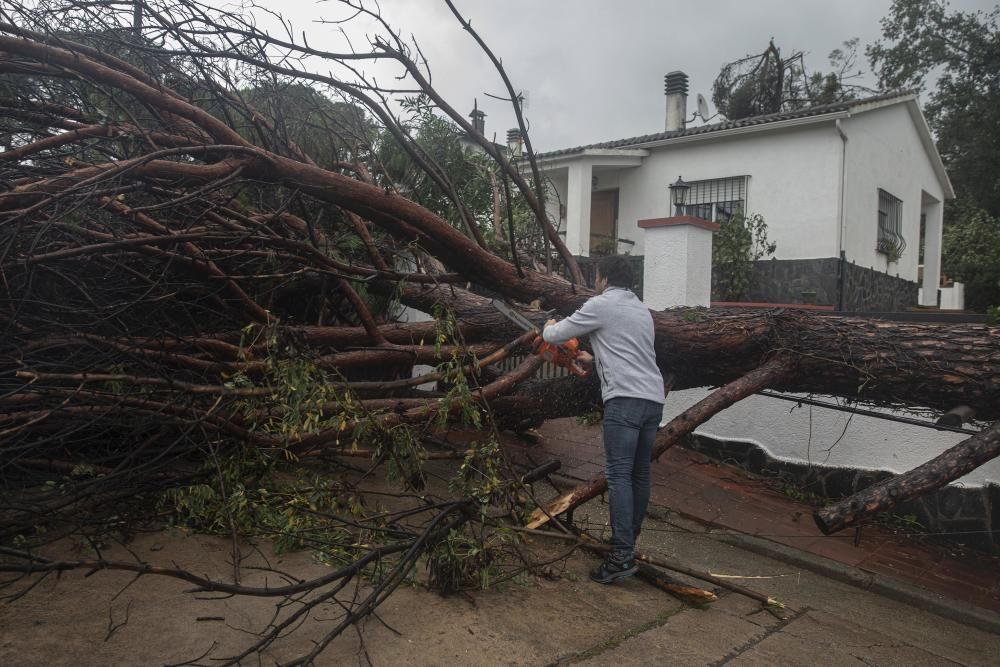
x=612, y=569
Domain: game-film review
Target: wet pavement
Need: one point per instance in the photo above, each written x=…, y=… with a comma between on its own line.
x=724, y=497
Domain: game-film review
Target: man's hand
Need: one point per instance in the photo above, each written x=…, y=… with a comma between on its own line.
x=548, y=323
x=585, y=359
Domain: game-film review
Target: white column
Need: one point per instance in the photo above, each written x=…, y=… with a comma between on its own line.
x=933, y=225
x=677, y=264
x=578, y=208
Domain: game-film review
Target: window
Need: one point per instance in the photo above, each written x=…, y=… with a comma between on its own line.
x=717, y=199
x=890, y=240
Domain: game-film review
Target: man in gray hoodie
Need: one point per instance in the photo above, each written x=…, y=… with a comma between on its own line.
x=621, y=333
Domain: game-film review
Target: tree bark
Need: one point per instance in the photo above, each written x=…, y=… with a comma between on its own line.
x=888, y=363
x=936, y=473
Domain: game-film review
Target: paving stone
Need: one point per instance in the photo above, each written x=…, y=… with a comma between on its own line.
x=789, y=651
x=681, y=640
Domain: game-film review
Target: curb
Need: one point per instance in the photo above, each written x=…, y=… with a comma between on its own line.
x=890, y=587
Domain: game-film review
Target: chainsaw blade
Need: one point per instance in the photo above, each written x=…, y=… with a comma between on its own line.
x=514, y=316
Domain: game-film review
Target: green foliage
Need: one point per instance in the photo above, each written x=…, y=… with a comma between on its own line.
x=739, y=243
x=480, y=475
x=958, y=53
x=901, y=523
x=300, y=390
x=243, y=488
x=467, y=559
x=796, y=492
x=971, y=254
x=241, y=495
x=458, y=400
x=473, y=557
x=474, y=175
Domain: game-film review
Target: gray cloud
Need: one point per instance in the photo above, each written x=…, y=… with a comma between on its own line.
x=593, y=69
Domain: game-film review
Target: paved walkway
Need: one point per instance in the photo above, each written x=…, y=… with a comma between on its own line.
x=722, y=496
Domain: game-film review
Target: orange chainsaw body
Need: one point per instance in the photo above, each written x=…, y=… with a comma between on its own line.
x=563, y=355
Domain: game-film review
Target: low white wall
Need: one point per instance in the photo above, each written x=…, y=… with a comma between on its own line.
x=949, y=298
x=953, y=298
x=821, y=436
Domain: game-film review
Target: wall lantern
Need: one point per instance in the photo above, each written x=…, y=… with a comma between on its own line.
x=678, y=194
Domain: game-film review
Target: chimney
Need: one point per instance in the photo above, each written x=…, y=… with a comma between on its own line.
x=478, y=118
x=675, y=86
x=514, y=141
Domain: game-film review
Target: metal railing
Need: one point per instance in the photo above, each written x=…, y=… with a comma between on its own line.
x=547, y=371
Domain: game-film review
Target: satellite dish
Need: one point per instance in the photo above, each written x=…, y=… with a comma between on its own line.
x=702, y=107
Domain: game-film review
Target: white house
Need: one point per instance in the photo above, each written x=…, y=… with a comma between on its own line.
x=850, y=191
x=857, y=181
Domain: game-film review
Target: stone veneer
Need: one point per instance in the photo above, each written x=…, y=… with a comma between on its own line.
x=868, y=290
x=817, y=281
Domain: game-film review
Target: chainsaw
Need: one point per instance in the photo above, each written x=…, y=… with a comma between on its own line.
x=565, y=355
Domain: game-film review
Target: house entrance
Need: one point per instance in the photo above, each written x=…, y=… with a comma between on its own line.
x=604, y=222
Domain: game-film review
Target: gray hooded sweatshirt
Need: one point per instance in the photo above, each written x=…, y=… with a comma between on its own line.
x=621, y=333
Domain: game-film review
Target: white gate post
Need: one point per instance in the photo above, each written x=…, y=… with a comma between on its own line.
x=677, y=262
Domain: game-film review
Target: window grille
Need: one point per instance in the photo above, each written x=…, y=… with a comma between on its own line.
x=717, y=199
x=890, y=226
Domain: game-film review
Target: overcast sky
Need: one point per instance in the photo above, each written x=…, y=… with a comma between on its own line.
x=593, y=69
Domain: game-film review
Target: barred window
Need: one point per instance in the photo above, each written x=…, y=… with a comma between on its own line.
x=717, y=199
x=890, y=226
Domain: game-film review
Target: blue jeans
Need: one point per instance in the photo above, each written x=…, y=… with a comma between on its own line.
x=629, y=430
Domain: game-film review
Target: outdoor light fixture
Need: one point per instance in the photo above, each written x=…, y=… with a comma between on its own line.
x=678, y=194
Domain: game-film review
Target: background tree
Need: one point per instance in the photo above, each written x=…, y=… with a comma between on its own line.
x=972, y=252
x=957, y=56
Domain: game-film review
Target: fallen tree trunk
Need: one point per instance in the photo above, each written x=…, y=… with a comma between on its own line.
x=888, y=363
x=935, y=474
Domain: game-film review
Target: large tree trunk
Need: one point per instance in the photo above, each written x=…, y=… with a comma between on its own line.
x=889, y=363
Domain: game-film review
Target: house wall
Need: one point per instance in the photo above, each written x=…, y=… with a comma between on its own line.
x=884, y=151
x=794, y=184
x=555, y=197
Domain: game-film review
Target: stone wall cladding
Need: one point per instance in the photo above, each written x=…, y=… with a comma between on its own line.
x=806, y=281
x=817, y=281
x=868, y=290
x=965, y=515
